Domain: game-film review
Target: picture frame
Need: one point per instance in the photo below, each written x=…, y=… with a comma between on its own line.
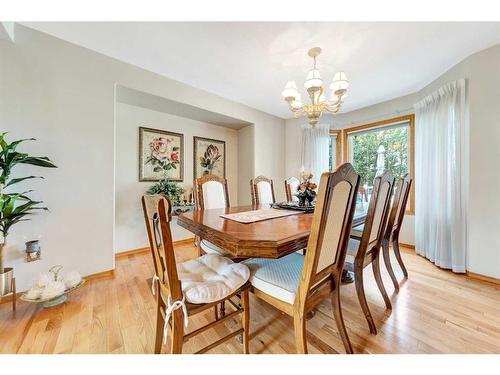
x=161, y=155
x=209, y=157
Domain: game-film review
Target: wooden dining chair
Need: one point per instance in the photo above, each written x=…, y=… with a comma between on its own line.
x=365, y=250
x=291, y=185
x=175, y=283
x=394, y=224
x=212, y=192
x=262, y=191
x=296, y=283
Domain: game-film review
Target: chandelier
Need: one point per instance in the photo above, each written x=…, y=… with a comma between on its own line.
x=315, y=90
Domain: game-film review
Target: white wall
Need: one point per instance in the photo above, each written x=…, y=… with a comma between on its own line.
x=482, y=72
x=63, y=95
x=130, y=230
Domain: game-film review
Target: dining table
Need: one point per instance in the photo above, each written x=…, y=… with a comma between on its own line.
x=271, y=238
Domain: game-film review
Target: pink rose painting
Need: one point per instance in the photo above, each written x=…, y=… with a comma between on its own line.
x=209, y=157
x=160, y=155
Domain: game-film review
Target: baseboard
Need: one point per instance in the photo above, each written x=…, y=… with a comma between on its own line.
x=488, y=279
x=98, y=275
x=141, y=250
x=132, y=252
x=407, y=245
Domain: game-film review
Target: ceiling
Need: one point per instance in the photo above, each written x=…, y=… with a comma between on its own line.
x=250, y=62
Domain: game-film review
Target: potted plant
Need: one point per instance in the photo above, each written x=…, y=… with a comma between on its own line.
x=169, y=188
x=306, y=190
x=14, y=207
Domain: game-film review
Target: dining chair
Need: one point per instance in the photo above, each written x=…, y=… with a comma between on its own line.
x=394, y=226
x=211, y=192
x=296, y=283
x=365, y=250
x=394, y=223
x=189, y=288
x=291, y=186
x=262, y=191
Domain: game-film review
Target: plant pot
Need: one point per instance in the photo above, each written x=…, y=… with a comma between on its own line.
x=6, y=281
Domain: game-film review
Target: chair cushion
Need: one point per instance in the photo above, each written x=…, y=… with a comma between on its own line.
x=277, y=277
x=352, y=250
x=358, y=231
x=210, y=248
x=211, y=278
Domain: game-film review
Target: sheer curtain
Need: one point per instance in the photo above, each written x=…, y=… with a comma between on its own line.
x=440, y=177
x=314, y=156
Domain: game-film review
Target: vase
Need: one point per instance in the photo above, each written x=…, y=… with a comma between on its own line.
x=310, y=200
x=302, y=201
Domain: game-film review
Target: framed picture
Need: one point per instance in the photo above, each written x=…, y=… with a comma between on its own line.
x=161, y=155
x=209, y=157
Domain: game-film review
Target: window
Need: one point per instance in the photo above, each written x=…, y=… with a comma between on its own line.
x=383, y=145
x=334, y=149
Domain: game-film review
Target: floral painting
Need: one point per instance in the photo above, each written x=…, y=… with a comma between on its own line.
x=160, y=155
x=209, y=157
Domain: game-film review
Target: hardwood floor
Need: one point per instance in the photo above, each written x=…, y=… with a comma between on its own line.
x=435, y=312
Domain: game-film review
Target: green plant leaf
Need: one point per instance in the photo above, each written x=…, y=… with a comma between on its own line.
x=16, y=180
x=38, y=161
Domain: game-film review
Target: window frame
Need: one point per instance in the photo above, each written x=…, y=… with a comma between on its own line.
x=382, y=124
x=338, y=146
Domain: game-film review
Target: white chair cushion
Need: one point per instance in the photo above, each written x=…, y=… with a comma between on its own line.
x=211, y=278
x=213, y=195
x=210, y=248
x=277, y=277
x=352, y=250
x=358, y=231
x=265, y=192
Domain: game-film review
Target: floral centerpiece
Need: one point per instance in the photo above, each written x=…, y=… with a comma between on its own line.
x=306, y=190
x=210, y=158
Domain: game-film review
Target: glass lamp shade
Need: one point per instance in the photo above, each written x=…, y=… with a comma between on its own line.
x=339, y=82
x=290, y=90
x=313, y=79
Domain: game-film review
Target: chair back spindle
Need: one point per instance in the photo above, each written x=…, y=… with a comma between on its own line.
x=157, y=216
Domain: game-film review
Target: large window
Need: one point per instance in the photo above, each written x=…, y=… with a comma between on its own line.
x=383, y=145
x=334, y=149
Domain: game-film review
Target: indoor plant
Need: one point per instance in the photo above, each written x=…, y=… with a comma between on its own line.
x=169, y=188
x=306, y=190
x=14, y=206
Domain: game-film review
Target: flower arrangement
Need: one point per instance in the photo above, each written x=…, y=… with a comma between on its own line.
x=210, y=158
x=169, y=188
x=164, y=155
x=306, y=190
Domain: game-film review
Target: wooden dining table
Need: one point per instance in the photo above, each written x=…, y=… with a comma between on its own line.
x=272, y=238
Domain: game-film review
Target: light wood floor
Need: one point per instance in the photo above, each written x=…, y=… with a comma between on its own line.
x=435, y=312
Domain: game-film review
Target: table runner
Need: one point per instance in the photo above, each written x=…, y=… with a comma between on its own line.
x=259, y=215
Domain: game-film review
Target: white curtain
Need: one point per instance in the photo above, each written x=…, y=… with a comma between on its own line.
x=440, y=177
x=315, y=145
